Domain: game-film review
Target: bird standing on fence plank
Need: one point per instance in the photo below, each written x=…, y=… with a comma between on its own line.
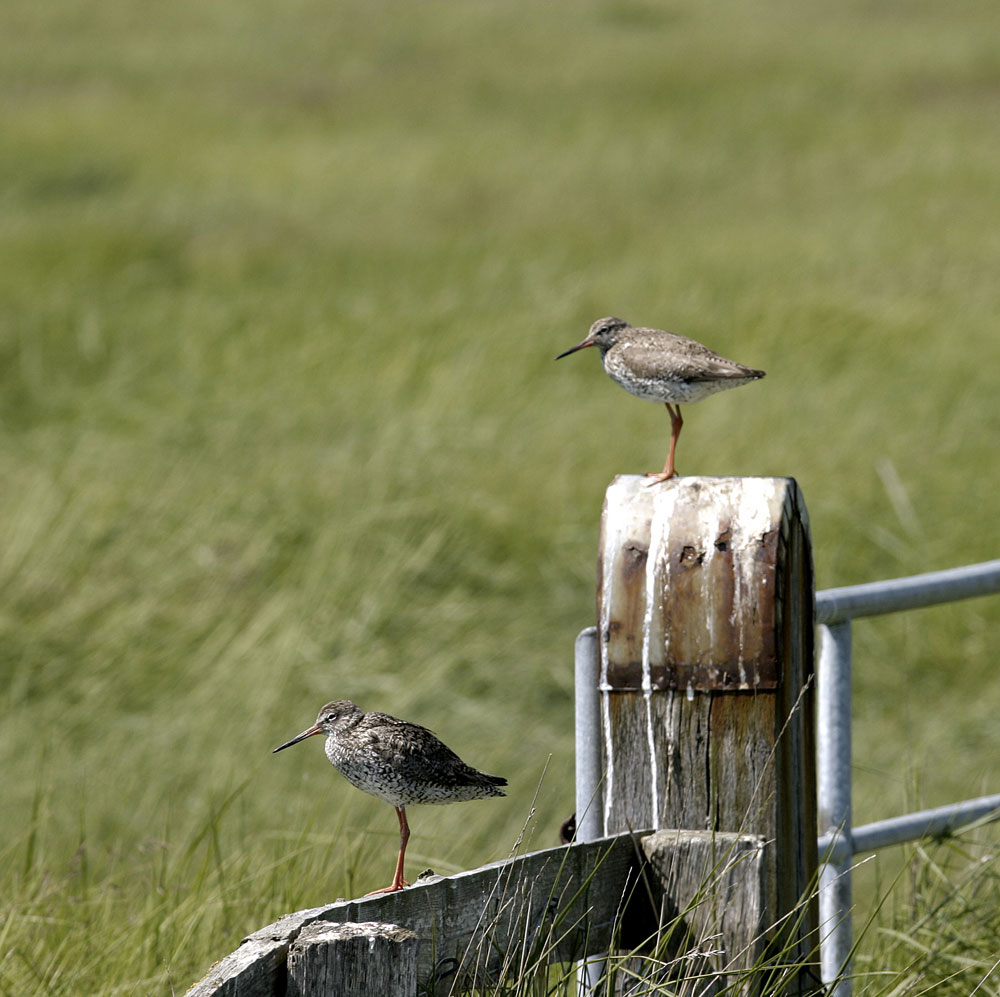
x=662, y=367
x=398, y=762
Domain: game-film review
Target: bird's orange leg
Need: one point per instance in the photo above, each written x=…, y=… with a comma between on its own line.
x=676, y=422
x=404, y=835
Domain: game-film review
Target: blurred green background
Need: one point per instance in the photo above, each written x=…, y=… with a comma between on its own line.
x=280, y=288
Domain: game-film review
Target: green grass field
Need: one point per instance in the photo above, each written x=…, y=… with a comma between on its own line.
x=280, y=288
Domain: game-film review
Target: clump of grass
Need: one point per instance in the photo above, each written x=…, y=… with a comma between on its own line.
x=60, y=928
x=937, y=930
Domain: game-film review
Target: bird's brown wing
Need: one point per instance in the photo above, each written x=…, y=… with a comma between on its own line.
x=683, y=359
x=415, y=752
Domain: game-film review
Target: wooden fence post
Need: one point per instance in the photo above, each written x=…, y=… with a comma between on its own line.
x=705, y=624
x=370, y=959
x=714, y=899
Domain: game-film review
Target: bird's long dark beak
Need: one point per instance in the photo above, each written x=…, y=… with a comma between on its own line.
x=579, y=346
x=315, y=729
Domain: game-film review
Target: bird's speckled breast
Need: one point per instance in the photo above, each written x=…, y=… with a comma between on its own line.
x=369, y=772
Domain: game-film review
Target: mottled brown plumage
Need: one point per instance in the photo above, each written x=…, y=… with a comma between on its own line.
x=398, y=762
x=662, y=367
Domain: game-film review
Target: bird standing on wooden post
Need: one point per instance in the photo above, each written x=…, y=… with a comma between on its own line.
x=662, y=367
x=398, y=762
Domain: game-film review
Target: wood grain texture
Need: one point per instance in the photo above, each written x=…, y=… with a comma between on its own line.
x=714, y=890
x=371, y=959
x=255, y=969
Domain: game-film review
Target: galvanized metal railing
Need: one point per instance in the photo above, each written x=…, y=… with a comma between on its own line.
x=839, y=841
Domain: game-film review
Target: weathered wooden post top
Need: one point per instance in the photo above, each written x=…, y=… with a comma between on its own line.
x=705, y=636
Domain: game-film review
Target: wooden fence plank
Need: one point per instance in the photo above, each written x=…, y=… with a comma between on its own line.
x=257, y=967
x=561, y=901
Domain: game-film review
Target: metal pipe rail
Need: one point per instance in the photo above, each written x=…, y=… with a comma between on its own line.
x=839, y=842
x=841, y=605
x=938, y=822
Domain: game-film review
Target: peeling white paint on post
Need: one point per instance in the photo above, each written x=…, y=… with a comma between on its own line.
x=748, y=530
x=657, y=583
x=654, y=807
x=609, y=765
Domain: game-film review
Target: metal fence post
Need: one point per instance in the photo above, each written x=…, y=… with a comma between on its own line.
x=589, y=792
x=589, y=796
x=833, y=683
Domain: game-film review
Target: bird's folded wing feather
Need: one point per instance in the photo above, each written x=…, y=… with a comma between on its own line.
x=415, y=750
x=686, y=360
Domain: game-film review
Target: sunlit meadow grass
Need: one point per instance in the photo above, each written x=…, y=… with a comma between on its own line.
x=280, y=286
